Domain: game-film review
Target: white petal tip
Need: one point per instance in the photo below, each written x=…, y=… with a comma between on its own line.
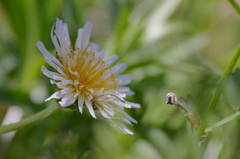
x=47, y=100
x=39, y=44
x=128, y=132
x=88, y=24
x=133, y=105
x=136, y=106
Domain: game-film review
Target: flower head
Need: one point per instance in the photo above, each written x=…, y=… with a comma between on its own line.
x=85, y=78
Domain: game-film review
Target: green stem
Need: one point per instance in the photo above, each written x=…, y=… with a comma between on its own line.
x=189, y=114
x=228, y=71
x=235, y=6
x=36, y=117
x=222, y=122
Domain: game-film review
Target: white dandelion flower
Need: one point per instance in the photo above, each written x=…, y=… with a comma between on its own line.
x=82, y=76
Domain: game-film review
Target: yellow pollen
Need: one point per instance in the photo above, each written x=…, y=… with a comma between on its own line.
x=90, y=71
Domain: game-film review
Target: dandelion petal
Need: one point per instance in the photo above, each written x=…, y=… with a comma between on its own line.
x=90, y=108
x=80, y=103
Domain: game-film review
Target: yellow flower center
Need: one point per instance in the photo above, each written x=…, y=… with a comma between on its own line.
x=91, y=72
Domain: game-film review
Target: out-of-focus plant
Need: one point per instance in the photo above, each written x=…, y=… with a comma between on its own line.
x=170, y=46
x=193, y=118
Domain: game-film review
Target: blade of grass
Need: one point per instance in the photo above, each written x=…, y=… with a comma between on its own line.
x=228, y=71
x=235, y=6
x=222, y=122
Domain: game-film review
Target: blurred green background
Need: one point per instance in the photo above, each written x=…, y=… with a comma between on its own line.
x=180, y=46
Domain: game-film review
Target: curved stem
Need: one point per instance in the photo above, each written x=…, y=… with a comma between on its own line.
x=36, y=117
x=228, y=71
x=185, y=109
x=189, y=114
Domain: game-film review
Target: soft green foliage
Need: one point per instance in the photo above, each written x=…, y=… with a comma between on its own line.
x=231, y=89
x=181, y=46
